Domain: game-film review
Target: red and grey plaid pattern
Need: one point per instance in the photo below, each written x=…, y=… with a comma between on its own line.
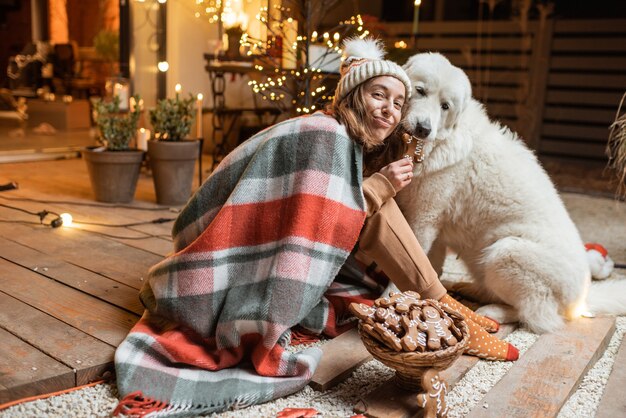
x=257, y=247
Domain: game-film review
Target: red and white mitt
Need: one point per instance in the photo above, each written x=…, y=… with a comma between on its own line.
x=600, y=263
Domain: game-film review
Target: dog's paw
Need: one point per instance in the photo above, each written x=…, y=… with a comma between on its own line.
x=504, y=314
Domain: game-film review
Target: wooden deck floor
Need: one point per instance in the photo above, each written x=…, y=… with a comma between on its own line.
x=68, y=296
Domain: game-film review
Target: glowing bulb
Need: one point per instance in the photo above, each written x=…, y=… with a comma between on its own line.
x=200, y=97
x=163, y=66
x=418, y=2
x=162, y=1
x=67, y=219
x=178, y=88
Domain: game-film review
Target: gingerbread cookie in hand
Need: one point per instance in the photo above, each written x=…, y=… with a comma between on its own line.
x=433, y=400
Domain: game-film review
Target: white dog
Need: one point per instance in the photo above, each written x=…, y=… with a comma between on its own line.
x=481, y=192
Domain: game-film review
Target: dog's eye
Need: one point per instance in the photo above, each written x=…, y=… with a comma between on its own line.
x=420, y=91
x=445, y=106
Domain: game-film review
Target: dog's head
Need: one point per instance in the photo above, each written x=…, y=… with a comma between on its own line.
x=440, y=93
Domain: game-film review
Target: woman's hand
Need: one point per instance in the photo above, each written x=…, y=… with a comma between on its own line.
x=399, y=173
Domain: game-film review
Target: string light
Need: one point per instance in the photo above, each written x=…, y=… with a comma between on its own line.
x=163, y=66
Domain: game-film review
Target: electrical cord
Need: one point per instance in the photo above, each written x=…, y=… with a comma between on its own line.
x=66, y=202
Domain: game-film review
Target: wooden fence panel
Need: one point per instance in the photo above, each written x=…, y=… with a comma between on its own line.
x=557, y=83
x=587, y=78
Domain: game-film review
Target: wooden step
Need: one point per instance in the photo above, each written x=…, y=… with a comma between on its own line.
x=613, y=402
x=391, y=401
x=547, y=374
x=341, y=356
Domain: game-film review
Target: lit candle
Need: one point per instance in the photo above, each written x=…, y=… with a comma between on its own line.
x=143, y=135
x=416, y=15
x=178, y=88
x=199, y=116
x=121, y=90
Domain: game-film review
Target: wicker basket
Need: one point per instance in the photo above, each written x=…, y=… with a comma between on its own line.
x=410, y=366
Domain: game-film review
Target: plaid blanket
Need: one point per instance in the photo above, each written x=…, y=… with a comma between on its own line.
x=257, y=249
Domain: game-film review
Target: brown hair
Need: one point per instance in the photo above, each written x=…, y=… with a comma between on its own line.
x=351, y=113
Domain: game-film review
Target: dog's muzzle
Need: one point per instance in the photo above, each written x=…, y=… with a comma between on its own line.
x=422, y=129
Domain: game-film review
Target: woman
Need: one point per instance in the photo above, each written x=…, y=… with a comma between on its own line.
x=371, y=107
x=259, y=248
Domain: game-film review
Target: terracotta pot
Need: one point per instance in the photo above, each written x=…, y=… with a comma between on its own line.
x=113, y=174
x=173, y=164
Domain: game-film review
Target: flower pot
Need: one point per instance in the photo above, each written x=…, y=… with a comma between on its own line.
x=113, y=174
x=173, y=164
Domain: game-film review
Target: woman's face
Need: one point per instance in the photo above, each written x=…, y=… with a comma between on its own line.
x=384, y=98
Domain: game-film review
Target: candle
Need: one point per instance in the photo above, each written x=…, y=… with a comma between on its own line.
x=178, y=88
x=199, y=116
x=416, y=15
x=143, y=135
x=121, y=90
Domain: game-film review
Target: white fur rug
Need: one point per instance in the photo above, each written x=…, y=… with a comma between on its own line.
x=599, y=220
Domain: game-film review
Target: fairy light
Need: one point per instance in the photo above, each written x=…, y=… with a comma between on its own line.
x=163, y=66
x=67, y=219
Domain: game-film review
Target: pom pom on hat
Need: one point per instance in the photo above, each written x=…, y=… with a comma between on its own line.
x=363, y=60
x=600, y=264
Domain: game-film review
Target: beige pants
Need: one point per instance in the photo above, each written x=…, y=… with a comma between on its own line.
x=388, y=240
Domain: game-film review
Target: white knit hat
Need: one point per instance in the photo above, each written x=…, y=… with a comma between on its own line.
x=363, y=59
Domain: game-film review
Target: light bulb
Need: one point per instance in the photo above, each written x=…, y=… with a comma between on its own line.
x=67, y=219
x=163, y=66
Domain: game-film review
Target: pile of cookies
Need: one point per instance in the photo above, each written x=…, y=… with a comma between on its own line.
x=405, y=322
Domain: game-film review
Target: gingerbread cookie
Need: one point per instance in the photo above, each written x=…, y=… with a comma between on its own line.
x=413, y=339
x=433, y=400
x=436, y=325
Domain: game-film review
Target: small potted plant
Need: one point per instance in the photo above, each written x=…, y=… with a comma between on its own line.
x=171, y=154
x=114, y=167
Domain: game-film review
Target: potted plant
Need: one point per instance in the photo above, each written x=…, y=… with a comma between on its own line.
x=172, y=156
x=114, y=167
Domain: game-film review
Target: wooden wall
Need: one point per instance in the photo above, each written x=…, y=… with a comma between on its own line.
x=557, y=83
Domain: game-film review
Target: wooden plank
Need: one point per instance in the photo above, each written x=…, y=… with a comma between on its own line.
x=576, y=131
x=511, y=94
x=514, y=44
x=546, y=375
x=595, y=44
x=86, y=313
x=88, y=357
x=459, y=27
x=590, y=26
x=501, y=61
x=497, y=77
x=581, y=115
x=604, y=81
x=109, y=258
x=391, y=401
x=26, y=371
x=501, y=110
x=584, y=98
x=107, y=214
x=613, y=402
x=604, y=63
x=76, y=277
x=341, y=356
x=550, y=146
